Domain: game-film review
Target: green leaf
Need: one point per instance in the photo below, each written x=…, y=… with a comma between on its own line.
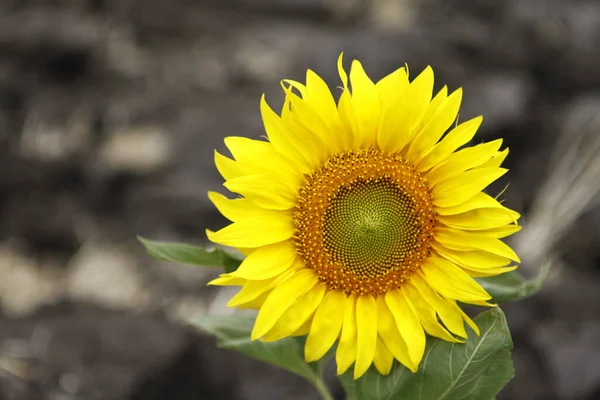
x=191, y=255
x=231, y=259
x=513, y=286
x=233, y=332
x=477, y=369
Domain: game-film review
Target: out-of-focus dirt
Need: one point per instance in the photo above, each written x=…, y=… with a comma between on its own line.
x=109, y=114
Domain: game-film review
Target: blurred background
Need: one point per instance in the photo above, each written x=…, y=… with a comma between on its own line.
x=109, y=114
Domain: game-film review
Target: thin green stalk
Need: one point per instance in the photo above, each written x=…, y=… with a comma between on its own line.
x=321, y=388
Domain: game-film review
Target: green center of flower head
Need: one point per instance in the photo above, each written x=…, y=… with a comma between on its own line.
x=364, y=221
x=371, y=226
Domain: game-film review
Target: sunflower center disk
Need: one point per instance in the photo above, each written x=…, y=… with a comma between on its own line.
x=364, y=221
x=370, y=227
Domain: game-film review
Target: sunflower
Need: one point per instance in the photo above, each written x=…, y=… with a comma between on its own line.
x=364, y=222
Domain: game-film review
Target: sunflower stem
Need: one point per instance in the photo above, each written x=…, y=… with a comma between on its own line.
x=321, y=388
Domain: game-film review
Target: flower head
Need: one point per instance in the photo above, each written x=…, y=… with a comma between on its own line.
x=364, y=221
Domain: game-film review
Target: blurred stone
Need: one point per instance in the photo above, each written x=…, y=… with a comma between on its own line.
x=98, y=354
x=14, y=388
x=259, y=61
x=573, y=354
x=26, y=285
x=570, y=285
x=313, y=8
x=28, y=28
x=527, y=374
x=119, y=350
x=194, y=72
x=581, y=115
x=55, y=131
x=219, y=303
x=140, y=149
x=180, y=277
x=69, y=383
x=185, y=309
x=40, y=209
x=392, y=15
x=345, y=10
x=123, y=55
x=107, y=276
x=210, y=69
x=568, y=32
x=502, y=98
x=571, y=189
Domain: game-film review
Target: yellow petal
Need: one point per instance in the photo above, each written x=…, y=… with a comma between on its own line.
x=390, y=335
x=461, y=240
x=383, y=358
x=466, y=318
x=462, y=187
x=235, y=209
x=434, y=107
x=341, y=71
x=326, y=325
x=407, y=323
x=281, y=298
x=473, y=259
x=256, y=231
x=298, y=313
x=228, y=168
x=480, y=218
x=426, y=314
x=487, y=272
x=346, y=111
x=296, y=85
x=351, y=137
x=304, y=329
x=245, y=250
x=436, y=127
x=480, y=200
x=319, y=97
x=303, y=122
x=284, y=142
x=451, y=281
x=251, y=291
x=266, y=191
x=400, y=120
x=391, y=87
x=421, y=91
x=456, y=138
x=250, y=154
x=365, y=102
x=267, y=262
x=257, y=303
x=463, y=160
x=254, y=290
x=447, y=313
x=307, y=124
x=366, y=325
x=496, y=160
x=501, y=231
x=346, y=350
x=227, y=280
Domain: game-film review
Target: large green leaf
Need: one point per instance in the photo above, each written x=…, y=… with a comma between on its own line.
x=476, y=370
x=513, y=286
x=192, y=255
x=233, y=332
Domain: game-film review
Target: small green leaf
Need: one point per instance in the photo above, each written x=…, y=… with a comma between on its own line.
x=233, y=332
x=231, y=259
x=477, y=369
x=191, y=255
x=513, y=286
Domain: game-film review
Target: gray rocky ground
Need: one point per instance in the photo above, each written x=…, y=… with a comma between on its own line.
x=109, y=114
